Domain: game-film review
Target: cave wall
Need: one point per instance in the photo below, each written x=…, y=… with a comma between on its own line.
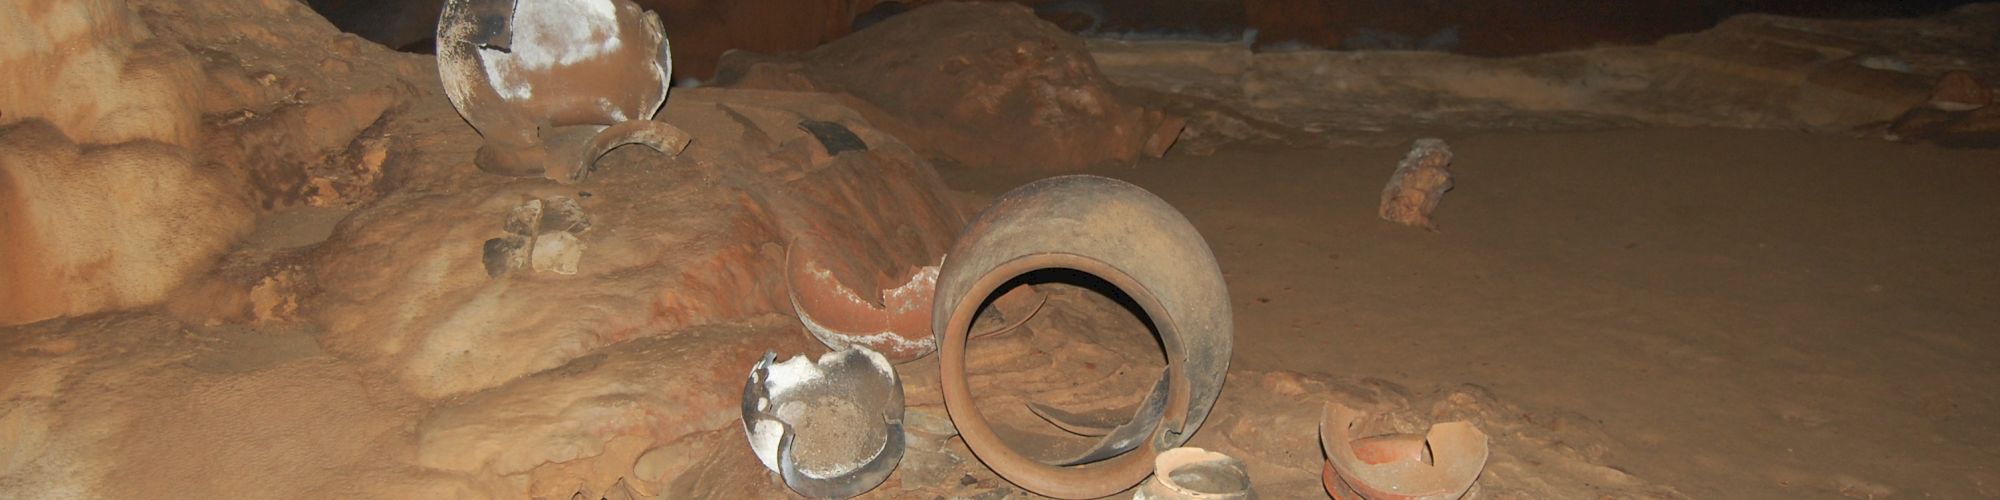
x=703, y=29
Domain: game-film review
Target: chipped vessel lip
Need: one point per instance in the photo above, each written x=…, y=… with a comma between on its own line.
x=1166, y=485
x=1090, y=224
x=1459, y=451
x=772, y=384
x=839, y=317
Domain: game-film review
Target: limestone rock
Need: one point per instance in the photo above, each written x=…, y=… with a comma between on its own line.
x=1977, y=128
x=99, y=76
x=297, y=110
x=1418, y=184
x=673, y=243
x=1959, y=114
x=557, y=252
x=1850, y=94
x=251, y=285
x=984, y=85
x=1960, y=91
x=657, y=389
x=149, y=134
x=94, y=228
x=1751, y=71
x=105, y=208
x=543, y=236
x=122, y=406
x=704, y=31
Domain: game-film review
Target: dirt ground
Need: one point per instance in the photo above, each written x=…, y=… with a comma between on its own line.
x=1715, y=313
x=1745, y=314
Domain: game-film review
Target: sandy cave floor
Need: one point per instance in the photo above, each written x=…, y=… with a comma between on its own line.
x=1734, y=314
x=1746, y=314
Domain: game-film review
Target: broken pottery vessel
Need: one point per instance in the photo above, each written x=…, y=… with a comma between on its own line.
x=1441, y=464
x=554, y=84
x=1196, y=474
x=1090, y=224
x=832, y=428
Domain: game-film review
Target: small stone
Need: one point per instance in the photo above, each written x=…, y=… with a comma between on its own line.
x=1418, y=184
x=525, y=220
x=557, y=252
x=927, y=460
x=1164, y=135
x=562, y=213
x=1960, y=91
x=932, y=421
x=275, y=298
x=504, y=254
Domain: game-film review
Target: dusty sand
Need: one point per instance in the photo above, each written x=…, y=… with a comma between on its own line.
x=1745, y=314
x=1728, y=313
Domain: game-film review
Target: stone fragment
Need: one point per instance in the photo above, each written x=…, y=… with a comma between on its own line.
x=504, y=254
x=525, y=220
x=349, y=177
x=1847, y=92
x=1417, y=185
x=275, y=297
x=557, y=252
x=1960, y=91
x=1976, y=128
x=929, y=460
x=563, y=213
x=544, y=237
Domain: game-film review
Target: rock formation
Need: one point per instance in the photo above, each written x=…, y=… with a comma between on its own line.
x=984, y=85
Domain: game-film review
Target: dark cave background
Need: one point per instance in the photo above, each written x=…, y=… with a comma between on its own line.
x=703, y=29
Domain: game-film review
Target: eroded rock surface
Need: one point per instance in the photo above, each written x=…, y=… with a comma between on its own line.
x=95, y=228
x=143, y=406
x=104, y=207
x=674, y=243
x=594, y=415
x=1752, y=71
x=150, y=137
x=985, y=85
